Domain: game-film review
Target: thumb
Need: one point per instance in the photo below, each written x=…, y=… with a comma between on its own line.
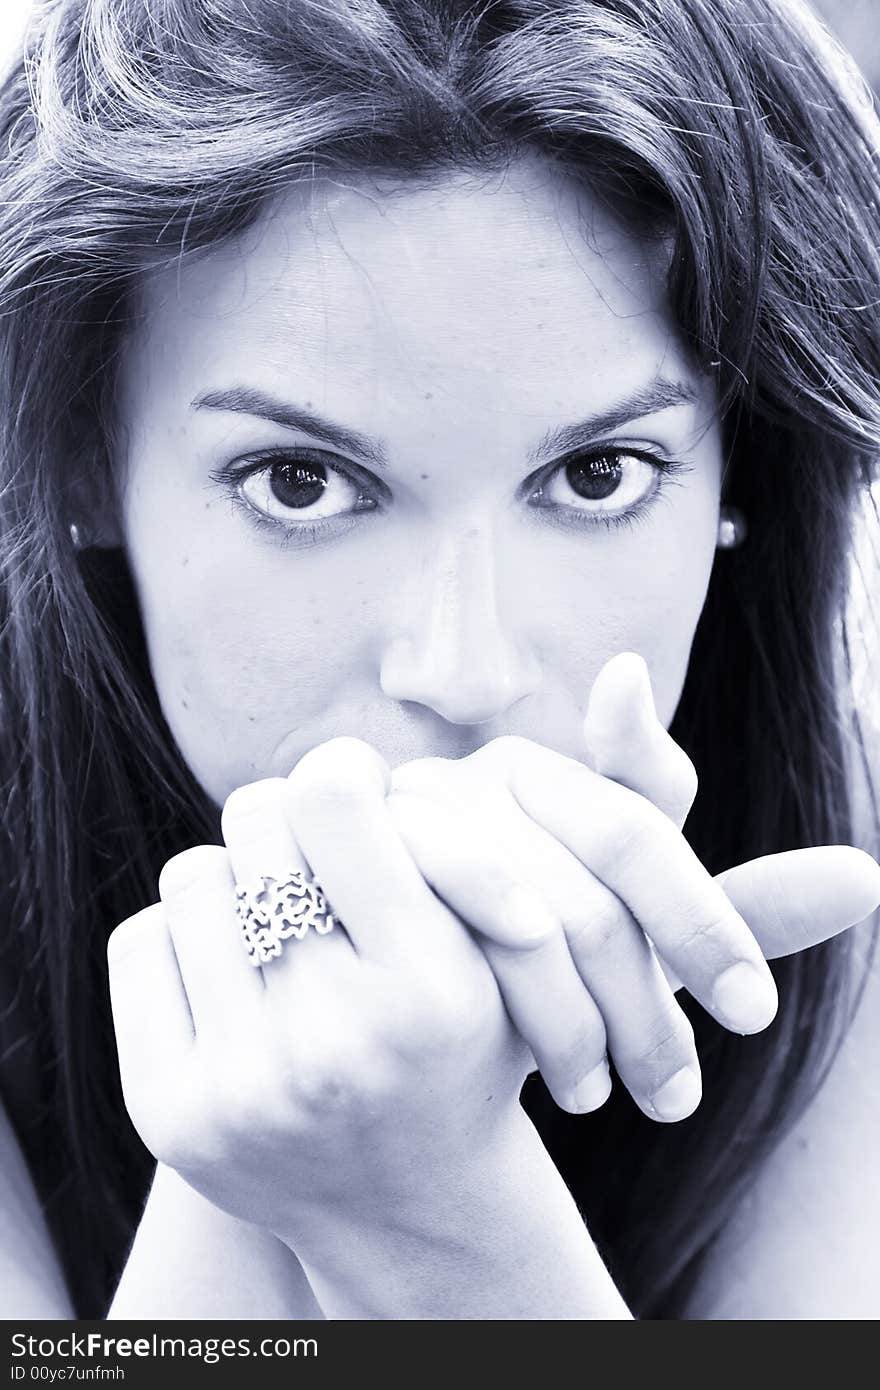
x=627, y=743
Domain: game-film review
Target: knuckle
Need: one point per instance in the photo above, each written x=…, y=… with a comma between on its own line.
x=641, y=831
x=663, y=1050
x=421, y=774
x=590, y=931
x=249, y=803
x=327, y=1071
x=579, y=1054
x=342, y=769
x=686, y=773
x=674, y=1039
x=448, y=1012
x=683, y=782
x=709, y=931
x=321, y=1091
x=190, y=868
x=444, y=1014
x=330, y=1088
x=663, y=1045
x=128, y=935
x=506, y=751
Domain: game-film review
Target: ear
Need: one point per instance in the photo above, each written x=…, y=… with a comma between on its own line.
x=91, y=495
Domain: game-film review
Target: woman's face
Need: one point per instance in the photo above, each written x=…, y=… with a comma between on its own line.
x=411, y=464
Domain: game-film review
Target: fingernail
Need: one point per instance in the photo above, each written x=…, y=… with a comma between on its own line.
x=679, y=1096
x=746, y=997
x=528, y=918
x=592, y=1091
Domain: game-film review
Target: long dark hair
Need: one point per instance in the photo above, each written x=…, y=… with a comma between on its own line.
x=137, y=132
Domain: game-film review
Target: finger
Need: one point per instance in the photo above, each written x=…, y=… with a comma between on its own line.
x=799, y=898
x=151, y=1015
x=649, y=1037
x=475, y=874
x=525, y=946
x=335, y=799
x=264, y=852
x=640, y=856
x=552, y=980
x=554, y=1014
x=198, y=892
x=626, y=742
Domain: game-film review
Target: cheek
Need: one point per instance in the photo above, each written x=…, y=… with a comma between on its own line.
x=661, y=597
x=631, y=591
x=240, y=653
x=664, y=577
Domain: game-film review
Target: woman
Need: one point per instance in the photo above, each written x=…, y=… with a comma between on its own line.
x=379, y=378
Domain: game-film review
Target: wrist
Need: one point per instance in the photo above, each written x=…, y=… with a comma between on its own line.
x=191, y=1259
x=414, y=1200
x=496, y=1237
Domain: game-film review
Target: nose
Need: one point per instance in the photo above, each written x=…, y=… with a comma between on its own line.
x=457, y=653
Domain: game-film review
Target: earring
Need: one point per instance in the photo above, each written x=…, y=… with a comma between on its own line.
x=75, y=536
x=732, y=528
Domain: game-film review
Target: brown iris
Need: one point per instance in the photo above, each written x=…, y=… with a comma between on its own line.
x=298, y=484
x=594, y=478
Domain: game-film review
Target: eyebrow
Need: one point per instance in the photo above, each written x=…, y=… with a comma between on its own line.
x=660, y=394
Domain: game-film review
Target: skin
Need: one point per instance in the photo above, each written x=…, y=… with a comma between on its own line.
x=461, y=678
x=431, y=301
x=456, y=324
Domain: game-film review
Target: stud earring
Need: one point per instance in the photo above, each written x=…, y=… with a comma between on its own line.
x=732, y=528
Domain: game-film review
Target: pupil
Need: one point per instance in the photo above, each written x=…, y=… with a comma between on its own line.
x=298, y=484
x=594, y=478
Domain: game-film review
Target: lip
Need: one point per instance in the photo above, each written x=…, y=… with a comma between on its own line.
x=396, y=741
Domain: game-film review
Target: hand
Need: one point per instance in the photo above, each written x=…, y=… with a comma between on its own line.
x=567, y=874
x=364, y=1069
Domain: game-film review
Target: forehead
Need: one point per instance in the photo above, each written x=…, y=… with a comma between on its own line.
x=490, y=287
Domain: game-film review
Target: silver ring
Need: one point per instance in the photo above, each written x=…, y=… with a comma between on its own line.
x=272, y=909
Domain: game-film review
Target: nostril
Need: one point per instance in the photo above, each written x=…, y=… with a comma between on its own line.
x=460, y=691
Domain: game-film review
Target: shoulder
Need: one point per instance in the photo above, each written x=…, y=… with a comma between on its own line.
x=31, y=1283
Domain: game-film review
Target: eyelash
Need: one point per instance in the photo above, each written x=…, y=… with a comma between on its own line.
x=231, y=477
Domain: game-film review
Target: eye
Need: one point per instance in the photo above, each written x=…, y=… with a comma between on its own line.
x=605, y=484
x=302, y=486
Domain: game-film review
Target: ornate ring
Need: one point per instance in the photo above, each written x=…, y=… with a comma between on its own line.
x=272, y=909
